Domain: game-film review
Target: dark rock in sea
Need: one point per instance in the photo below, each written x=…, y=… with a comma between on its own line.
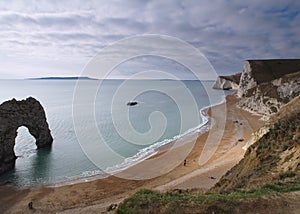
x=132, y=103
x=13, y=114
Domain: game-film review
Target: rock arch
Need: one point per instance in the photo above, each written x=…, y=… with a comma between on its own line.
x=13, y=114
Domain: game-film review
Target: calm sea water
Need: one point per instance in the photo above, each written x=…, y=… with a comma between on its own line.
x=66, y=159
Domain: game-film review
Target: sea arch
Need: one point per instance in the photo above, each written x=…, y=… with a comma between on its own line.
x=14, y=114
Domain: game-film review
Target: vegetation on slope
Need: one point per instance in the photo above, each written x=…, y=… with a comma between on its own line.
x=273, y=158
x=147, y=201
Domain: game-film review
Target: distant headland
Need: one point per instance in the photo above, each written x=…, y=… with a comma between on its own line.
x=62, y=78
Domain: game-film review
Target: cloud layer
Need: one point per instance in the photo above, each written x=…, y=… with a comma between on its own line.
x=47, y=38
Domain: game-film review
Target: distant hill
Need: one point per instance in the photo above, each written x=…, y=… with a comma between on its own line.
x=62, y=78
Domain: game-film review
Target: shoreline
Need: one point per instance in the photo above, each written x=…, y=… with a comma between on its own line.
x=189, y=135
x=160, y=147
x=77, y=198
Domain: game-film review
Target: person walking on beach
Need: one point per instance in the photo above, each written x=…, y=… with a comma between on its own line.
x=30, y=205
x=184, y=162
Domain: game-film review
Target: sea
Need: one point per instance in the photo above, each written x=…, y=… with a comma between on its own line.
x=67, y=160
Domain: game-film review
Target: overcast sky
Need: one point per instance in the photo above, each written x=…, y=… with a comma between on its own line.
x=57, y=38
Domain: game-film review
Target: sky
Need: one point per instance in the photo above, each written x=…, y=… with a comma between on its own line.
x=59, y=37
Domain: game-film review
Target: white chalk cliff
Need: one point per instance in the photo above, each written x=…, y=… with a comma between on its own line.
x=266, y=85
x=227, y=82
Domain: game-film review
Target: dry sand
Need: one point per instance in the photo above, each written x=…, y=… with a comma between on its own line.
x=207, y=157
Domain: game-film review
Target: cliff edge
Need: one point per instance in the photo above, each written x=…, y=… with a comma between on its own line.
x=13, y=114
x=256, y=72
x=266, y=85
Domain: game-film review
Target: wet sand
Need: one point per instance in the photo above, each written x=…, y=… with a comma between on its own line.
x=212, y=154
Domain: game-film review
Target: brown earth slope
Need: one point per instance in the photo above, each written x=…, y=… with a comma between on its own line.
x=275, y=157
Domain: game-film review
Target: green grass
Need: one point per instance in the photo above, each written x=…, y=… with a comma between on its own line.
x=148, y=200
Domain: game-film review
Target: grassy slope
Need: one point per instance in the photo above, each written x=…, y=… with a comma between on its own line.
x=267, y=179
x=147, y=201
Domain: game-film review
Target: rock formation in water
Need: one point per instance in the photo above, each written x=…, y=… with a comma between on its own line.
x=132, y=103
x=228, y=82
x=266, y=85
x=13, y=114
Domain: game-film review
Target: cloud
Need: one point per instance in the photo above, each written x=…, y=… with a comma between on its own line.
x=68, y=32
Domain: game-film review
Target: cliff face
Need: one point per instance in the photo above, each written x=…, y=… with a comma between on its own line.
x=228, y=82
x=264, y=86
x=13, y=114
x=269, y=87
x=273, y=157
x=260, y=71
x=268, y=97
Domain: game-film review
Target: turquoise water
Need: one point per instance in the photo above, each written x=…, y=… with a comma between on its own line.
x=66, y=159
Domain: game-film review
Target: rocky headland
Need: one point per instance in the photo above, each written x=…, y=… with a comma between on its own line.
x=264, y=86
x=13, y=114
x=228, y=82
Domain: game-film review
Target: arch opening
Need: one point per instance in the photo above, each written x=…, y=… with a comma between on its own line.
x=24, y=143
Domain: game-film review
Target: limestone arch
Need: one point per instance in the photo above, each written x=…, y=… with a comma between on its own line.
x=14, y=114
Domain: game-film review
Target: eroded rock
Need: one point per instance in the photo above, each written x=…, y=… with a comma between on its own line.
x=132, y=103
x=13, y=114
x=264, y=85
x=268, y=97
x=257, y=72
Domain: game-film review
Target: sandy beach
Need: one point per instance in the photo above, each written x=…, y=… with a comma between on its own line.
x=207, y=160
